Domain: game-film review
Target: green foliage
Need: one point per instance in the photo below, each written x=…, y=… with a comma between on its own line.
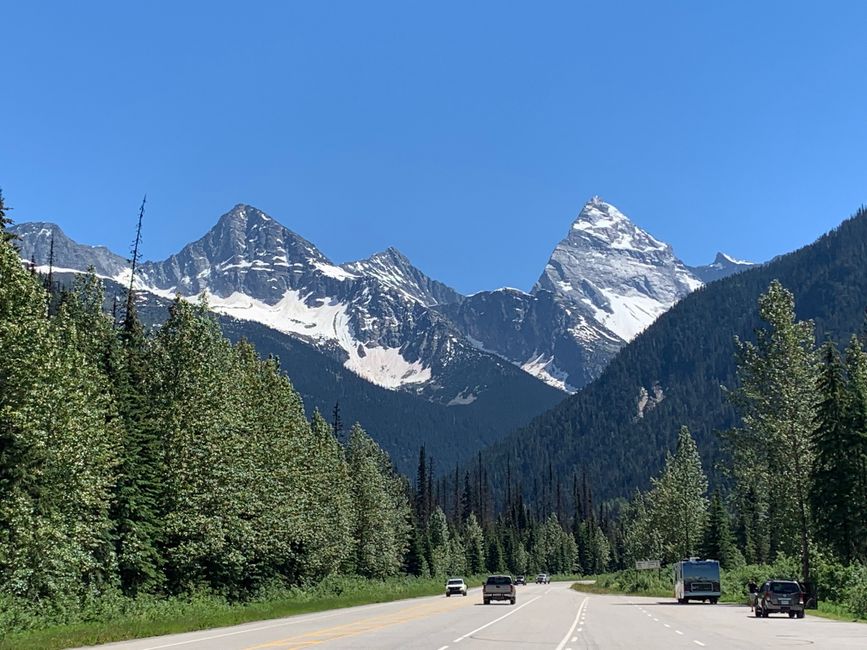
x=665, y=523
x=73, y=622
x=57, y=451
x=718, y=542
x=5, y=221
x=474, y=545
x=688, y=353
x=776, y=395
x=380, y=528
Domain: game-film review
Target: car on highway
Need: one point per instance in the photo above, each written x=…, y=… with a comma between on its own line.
x=456, y=586
x=519, y=580
x=498, y=588
x=780, y=596
x=542, y=579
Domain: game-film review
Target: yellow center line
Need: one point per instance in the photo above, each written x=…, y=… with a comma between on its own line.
x=362, y=626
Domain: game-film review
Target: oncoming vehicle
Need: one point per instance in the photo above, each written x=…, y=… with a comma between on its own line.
x=456, y=586
x=519, y=580
x=542, y=579
x=498, y=588
x=696, y=579
x=783, y=596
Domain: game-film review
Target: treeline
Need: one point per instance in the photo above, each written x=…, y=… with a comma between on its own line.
x=458, y=531
x=165, y=460
x=687, y=353
x=796, y=482
x=171, y=460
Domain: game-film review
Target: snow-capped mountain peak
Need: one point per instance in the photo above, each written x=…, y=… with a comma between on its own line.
x=614, y=273
x=722, y=259
x=604, y=222
x=722, y=266
x=394, y=270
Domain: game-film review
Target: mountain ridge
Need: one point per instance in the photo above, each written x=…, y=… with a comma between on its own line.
x=399, y=328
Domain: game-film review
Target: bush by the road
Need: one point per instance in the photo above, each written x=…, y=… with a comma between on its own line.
x=843, y=587
x=108, y=617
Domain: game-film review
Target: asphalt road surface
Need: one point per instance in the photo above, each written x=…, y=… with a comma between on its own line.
x=550, y=617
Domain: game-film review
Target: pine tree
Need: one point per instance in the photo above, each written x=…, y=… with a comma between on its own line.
x=422, y=489
x=5, y=222
x=474, y=543
x=776, y=396
x=438, y=534
x=856, y=445
x=494, y=560
x=835, y=467
x=718, y=543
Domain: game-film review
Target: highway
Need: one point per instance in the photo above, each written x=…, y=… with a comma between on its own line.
x=550, y=617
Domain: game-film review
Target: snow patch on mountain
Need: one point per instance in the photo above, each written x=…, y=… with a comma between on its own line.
x=543, y=367
x=325, y=320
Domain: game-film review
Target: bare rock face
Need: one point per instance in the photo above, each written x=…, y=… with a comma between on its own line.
x=604, y=283
x=391, y=324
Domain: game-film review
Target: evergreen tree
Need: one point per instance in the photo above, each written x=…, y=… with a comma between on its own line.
x=380, y=531
x=718, y=540
x=5, y=222
x=56, y=451
x=438, y=534
x=474, y=544
x=776, y=396
x=856, y=446
x=494, y=560
x=835, y=471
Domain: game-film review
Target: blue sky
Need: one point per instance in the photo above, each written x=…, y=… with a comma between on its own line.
x=468, y=135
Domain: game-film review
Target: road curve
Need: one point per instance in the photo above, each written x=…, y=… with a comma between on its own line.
x=546, y=616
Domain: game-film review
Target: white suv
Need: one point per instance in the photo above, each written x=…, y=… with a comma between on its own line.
x=456, y=586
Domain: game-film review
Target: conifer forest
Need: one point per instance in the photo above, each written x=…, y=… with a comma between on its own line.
x=166, y=461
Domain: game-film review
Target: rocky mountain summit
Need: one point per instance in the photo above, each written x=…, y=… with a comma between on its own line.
x=722, y=267
x=396, y=327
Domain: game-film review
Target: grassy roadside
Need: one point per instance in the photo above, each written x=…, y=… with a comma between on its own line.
x=607, y=585
x=594, y=588
x=172, y=617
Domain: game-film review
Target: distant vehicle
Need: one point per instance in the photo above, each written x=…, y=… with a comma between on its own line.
x=542, y=579
x=498, y=588
x=519, y=580
x=456, y=586
x=783, y=596
x=696, y=579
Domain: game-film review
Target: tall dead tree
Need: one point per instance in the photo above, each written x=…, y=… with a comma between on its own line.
x=134, y=260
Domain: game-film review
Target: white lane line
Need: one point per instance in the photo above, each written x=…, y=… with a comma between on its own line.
x=666, y=625
x=656, y=620
x=679, y=632
x=574, y=639
x=443, y=648
x=698, y=643
x=496, y=620
x=574, y=623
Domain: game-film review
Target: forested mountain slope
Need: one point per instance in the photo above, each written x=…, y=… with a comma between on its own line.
x=620, y=426
x=399, y=421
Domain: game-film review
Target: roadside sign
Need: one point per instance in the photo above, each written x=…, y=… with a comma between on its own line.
x=646, y=564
